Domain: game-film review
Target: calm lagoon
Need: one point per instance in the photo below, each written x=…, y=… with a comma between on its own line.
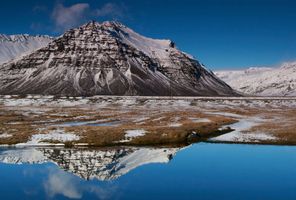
x=199, y=171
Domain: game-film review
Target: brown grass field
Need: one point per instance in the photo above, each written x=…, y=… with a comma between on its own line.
x=168, y=124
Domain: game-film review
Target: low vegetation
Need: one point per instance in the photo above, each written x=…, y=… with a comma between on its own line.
x=168, y=124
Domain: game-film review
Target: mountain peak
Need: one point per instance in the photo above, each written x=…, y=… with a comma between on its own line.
x=106, y=24
x=113, y=24
x=90, y=24
x=109, y=59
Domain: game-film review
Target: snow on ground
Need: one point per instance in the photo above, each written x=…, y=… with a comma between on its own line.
x=199, y=120
x=5, y=135
x=135, y=133
x=225, y=114
x=240, y=135
x=100, y=122
x=55, y=135
x=141, y=119
x=207, y=105
x=43, y=101
x=244, y=137
x=241, y=128
x=175, y=125
x=131, y=134
x=165, y=103
x=158, y=119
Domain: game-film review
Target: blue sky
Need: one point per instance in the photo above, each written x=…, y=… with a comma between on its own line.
x=222, y=34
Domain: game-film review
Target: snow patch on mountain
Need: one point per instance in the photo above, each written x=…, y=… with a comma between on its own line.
x=263, y=81
x=15, y=46
x=151, y=47
x=145, y=156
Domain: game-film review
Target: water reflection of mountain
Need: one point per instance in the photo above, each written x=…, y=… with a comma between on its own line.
x=103, y=164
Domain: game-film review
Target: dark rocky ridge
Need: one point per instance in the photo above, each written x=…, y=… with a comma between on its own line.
x=109, y=59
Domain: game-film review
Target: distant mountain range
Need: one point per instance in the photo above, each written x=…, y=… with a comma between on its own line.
x=103, y=59
x=15, y=46
x=263, y=81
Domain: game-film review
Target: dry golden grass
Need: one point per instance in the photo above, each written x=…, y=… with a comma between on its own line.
x=158, y=131
x=280, y=124
x=23, y=123
x=157, y=125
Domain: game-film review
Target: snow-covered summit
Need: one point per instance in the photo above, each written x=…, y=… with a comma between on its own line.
x=263, y=81
x=151, y=47
x=14, y=46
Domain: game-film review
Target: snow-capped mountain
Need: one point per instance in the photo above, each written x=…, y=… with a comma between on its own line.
x=15, y=46
x=101, y=164
x=263, y=81
x=109, y=58
x=22, y=156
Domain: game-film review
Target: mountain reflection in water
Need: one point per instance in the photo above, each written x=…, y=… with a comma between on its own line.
x=199, y=171
x=102, y=164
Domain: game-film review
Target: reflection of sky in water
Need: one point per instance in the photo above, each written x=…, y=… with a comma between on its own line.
x=203, y=171
x=62, y=183
x=47, y=181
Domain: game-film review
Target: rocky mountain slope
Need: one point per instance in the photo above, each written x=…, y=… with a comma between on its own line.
x=262, y=81
x=109, y=59
x=15, y=46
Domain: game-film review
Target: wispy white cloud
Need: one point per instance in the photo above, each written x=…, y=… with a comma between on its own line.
x=61, y=183
x=66, y=184
x=68, y=17
x=110, y=9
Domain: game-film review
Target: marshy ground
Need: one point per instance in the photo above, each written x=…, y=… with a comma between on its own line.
x=106, y=120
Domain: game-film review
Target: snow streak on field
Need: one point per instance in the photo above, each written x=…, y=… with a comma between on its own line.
x=105, y=101
x=41, y=120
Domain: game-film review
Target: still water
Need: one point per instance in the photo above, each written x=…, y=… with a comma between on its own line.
x=199, y=171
